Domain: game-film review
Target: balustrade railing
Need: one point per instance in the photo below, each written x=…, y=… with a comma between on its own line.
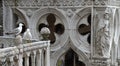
x=30, y=54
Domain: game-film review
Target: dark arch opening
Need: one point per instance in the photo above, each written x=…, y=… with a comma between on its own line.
x=51, y=18
x=89, y=19
x=41, y=26
x=84, y=29
x=59, y=29
x=15, y=20
x=71, y=59
x=89, y=39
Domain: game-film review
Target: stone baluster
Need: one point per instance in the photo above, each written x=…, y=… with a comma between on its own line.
x=27, y=59
x=39, y=58
x=2, y=62
x=20, y=60
x=11, y=61
x=43, y=57
x=6, y=64
x=33, y=56
x=47, y=55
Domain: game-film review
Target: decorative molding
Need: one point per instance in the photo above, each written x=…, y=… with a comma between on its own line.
x=58, y=3
x=100, y=62
x=69, y=13
x=29, y=12
x=103, y=32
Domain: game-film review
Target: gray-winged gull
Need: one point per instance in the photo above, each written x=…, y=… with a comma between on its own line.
x=17, y=30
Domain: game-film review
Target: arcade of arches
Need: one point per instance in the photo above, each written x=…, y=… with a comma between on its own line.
x=80, y=34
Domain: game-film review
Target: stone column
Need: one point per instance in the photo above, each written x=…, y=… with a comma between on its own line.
x=20, y=60
x=47, y=55
x=11, y=61
x=27, y=60
x=43, y=57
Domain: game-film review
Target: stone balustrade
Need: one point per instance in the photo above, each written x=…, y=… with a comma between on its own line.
x=31, y=54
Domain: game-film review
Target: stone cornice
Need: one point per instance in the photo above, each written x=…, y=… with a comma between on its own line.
x=59, y=4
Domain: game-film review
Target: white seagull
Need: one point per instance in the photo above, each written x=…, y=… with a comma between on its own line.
x=17, y=30
x=27, y=35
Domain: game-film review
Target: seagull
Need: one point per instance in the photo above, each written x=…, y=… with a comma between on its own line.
x=16, y=31
x=27, y=35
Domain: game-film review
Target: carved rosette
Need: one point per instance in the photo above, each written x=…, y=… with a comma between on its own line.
x=102, y=32
x=69, y=13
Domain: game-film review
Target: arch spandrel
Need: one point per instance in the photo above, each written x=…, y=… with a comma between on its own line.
x=22, y=15
x=79, y=40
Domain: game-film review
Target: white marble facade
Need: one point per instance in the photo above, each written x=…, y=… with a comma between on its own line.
x=89, y=27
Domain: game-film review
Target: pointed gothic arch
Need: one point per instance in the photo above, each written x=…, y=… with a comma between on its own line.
x=70, y=58
x=21, y=17
x=81, y=18
x=57, y=54
x=21, y=14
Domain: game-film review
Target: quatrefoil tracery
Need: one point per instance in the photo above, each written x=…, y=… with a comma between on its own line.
x=84, y=29
x=54, y=28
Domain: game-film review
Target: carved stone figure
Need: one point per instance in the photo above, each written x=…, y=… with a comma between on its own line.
x=103, y=36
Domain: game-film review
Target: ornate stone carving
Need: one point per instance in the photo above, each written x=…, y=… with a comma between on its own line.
x=39, y=3
x=69, y=13
x=103, y=35
x=29, y=13
x=100, y=62
x=35, y=3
